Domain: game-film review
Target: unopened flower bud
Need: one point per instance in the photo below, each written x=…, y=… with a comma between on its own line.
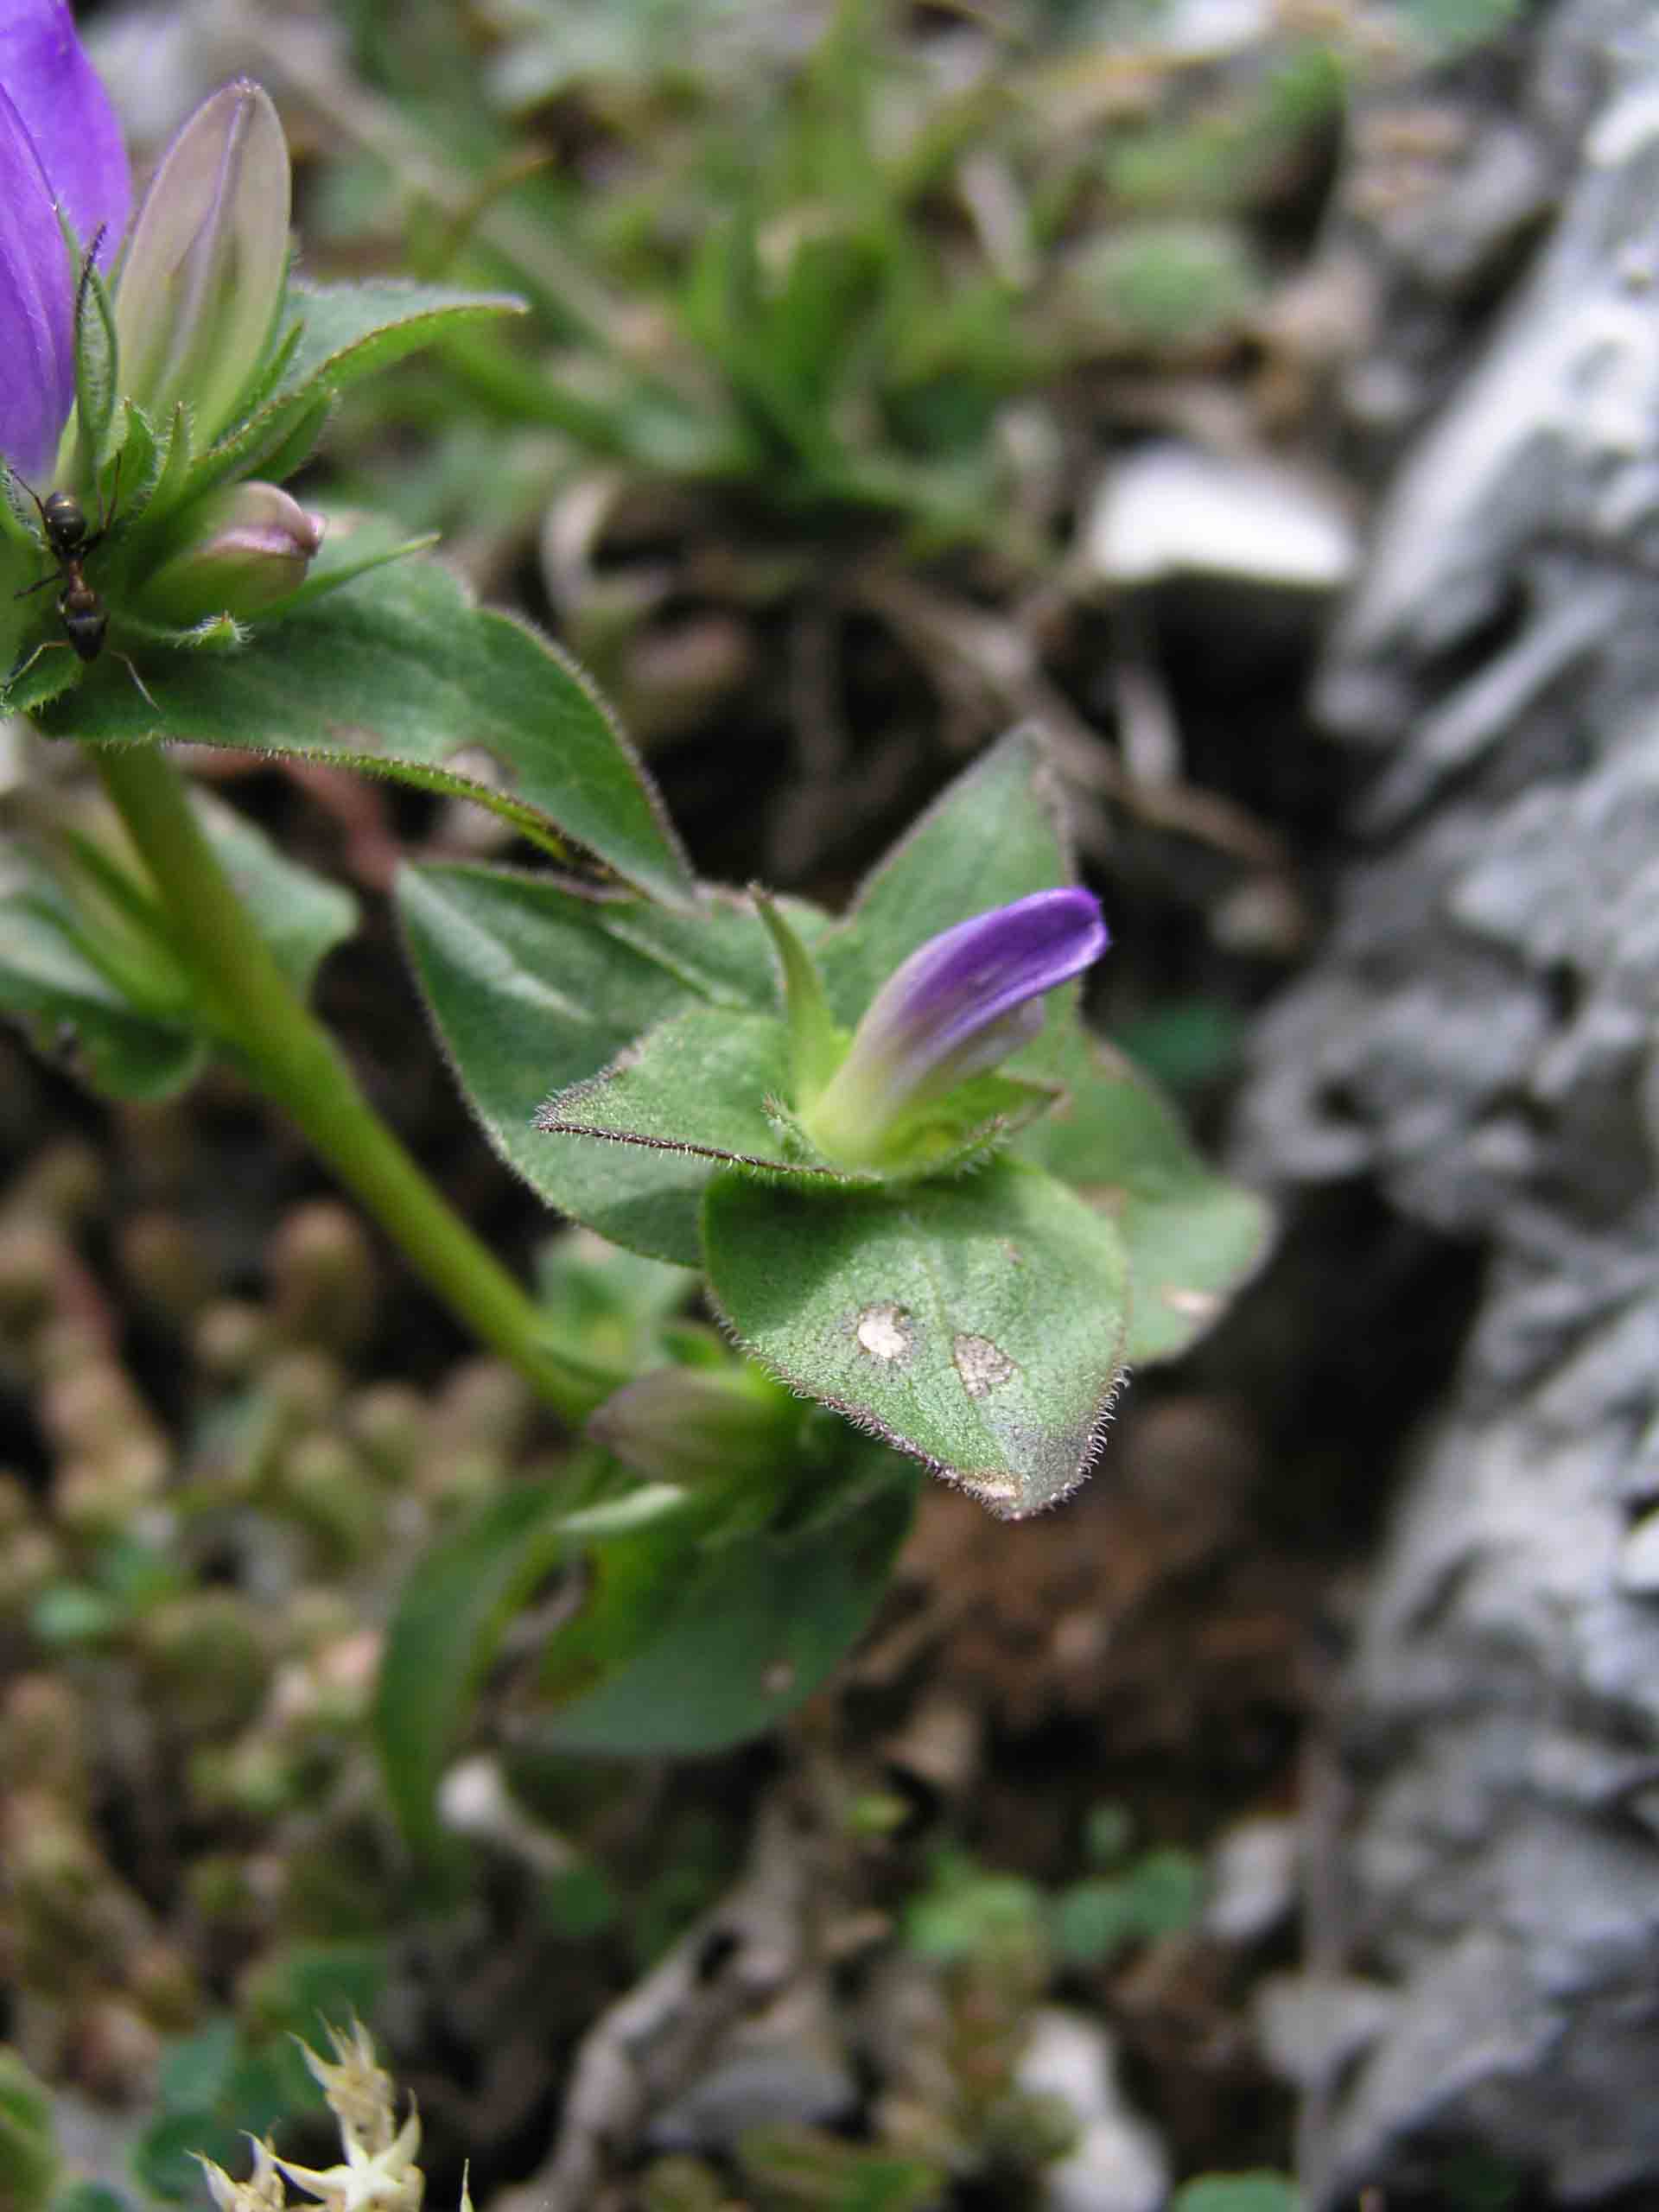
x=202, y=279
x=249, y=546
x=966, y=1000
x=698, y=1424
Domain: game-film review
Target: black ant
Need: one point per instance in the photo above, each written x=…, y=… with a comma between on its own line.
x=63, y=526
x=63, y=529
x=80, y=607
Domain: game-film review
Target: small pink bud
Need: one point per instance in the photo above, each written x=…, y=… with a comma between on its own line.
x=250, y=546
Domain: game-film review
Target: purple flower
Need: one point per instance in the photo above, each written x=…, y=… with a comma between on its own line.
x=965, y=999
x=60, y=148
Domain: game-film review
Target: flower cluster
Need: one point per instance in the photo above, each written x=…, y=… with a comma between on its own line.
x=169, y=317
x=380, y=2170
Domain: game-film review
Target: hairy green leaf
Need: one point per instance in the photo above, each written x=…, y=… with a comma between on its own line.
x=716, y=1086
x=978, y=1325
x=993, y=836
x=449, y=1619
x=534, y=987
x=705, y=1644
x=399, y=675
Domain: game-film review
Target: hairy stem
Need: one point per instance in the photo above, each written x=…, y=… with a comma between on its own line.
x=247, y=1005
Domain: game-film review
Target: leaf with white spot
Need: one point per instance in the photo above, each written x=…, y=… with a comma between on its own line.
x=978, y=1325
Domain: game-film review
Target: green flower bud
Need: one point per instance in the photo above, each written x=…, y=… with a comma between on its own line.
x=249, y=546
x=202, y=279
x=695, y=1425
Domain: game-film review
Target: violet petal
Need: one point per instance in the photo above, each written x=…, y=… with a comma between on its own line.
x=67, y=112
x=966, y=979
x=37, y=379
x=960, y=1003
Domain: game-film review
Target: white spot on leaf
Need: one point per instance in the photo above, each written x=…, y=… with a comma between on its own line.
x=885, y=1333
x=983, y=1365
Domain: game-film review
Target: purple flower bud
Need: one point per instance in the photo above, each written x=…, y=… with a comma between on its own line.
x=60, y=148
x=202, y=279
x=965, y=999
x=250, y=546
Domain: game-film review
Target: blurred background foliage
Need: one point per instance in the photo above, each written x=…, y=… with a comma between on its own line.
x=835, y=310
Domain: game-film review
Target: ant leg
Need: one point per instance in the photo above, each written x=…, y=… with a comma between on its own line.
x=21, y=668
x=144, y=689
x=40, y=586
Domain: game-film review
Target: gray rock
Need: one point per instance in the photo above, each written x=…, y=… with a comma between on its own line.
x=1119, y=2164
x=1638, y=1558
x=1252, y=1880
x=1312, y=2026
x=1481, y=1036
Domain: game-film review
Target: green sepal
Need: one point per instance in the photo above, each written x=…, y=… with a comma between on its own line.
x=1192, y=1235
x=817, y=1047
x=993, y=835
x=402, y=675
x=978, y=1325
x=713, y=1085
x=95, y=350
x=45, y=672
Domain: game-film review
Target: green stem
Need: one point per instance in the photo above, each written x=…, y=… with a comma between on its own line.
x=246, y=1000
